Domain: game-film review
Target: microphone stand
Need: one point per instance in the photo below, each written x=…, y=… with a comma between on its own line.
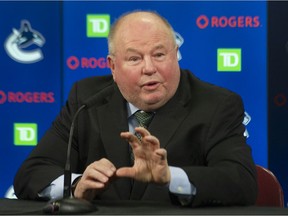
x=69, y=205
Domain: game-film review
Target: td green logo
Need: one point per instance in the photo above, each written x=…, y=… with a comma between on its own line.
x=229, y=60
x=25, y=134
x=98, y=25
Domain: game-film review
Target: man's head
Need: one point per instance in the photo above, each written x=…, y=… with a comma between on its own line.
x=143, y=59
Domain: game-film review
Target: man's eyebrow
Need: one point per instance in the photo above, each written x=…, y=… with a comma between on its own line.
x=130, y=49
x=160, y=46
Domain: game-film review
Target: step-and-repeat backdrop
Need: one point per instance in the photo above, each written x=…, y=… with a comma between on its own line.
x=47, y=46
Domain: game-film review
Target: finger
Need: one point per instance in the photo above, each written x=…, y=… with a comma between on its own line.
x=142, y=131
x=152, y=141
x=92, y=180
x=91, y=184
x=125, y=172
x=125, y=135
x=130, y=138
x=162, y=154
x=99, y=171
x=105, y=162
x=93, y=175
x=103, y=166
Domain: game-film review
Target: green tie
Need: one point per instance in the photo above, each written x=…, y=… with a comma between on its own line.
x=144, y=119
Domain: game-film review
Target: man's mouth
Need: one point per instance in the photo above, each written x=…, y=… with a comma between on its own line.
x=150, y=85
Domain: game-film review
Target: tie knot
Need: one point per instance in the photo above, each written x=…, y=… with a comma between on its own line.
x=144, y=118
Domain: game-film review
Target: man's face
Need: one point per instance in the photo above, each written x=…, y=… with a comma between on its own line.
x=145, y=65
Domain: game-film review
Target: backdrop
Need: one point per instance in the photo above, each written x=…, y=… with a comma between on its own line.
x=47, y=46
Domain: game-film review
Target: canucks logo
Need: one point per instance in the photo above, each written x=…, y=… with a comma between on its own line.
x=246, y=120
x=179, y=41
x=23, y=44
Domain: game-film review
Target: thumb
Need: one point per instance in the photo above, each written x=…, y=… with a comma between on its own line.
x=125, y=172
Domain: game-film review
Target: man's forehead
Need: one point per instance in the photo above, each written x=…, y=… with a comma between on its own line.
x=140, y=20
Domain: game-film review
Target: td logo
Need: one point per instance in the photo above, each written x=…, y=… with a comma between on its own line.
x=229, y=60
x=98, y=25
x=25, y=134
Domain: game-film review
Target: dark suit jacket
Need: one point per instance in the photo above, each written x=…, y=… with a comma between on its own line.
x=200, y=127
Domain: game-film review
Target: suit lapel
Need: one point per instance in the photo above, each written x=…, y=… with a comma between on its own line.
x=164, y=125
x=169, y=117
x=113, y=120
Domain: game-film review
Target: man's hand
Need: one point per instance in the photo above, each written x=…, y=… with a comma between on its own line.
x=150, y=163
x=95, y=179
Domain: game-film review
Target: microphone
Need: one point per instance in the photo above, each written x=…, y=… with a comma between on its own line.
x=72, y=205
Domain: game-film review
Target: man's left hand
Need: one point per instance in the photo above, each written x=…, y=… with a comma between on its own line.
x=150, y=161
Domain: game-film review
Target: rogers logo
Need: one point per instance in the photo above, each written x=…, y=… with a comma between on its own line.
x=26, y=97
x=228, y=22
x=74, y=63
x=280, y=100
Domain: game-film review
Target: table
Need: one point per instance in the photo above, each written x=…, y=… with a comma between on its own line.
x=17, y=207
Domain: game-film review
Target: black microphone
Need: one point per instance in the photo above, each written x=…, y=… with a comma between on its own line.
x=71, y=205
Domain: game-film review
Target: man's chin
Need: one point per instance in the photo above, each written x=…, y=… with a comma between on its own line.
x=153, y=104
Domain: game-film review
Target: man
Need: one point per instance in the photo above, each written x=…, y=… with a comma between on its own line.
x=192, y=153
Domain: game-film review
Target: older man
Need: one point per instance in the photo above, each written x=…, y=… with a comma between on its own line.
x=193, y=152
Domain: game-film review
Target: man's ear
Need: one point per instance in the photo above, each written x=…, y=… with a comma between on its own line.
x=111, y=65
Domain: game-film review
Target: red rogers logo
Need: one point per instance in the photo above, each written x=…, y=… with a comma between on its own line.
x=74, y=62
x=228, y=22
x=280, y=100
x=26, y=97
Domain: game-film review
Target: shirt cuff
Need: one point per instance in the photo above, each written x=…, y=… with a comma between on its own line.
x=181, y=186
x=55, y=189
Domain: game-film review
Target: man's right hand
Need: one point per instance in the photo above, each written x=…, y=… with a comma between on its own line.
x=96, y=178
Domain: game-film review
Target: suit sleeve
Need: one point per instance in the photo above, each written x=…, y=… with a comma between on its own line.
x=229, y=176
x=47, y=159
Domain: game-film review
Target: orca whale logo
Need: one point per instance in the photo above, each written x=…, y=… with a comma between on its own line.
x=18, y=43
x=246, y=121
x=10, y=193
x=179, y=41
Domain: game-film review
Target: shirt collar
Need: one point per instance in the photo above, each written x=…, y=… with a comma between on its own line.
x=131, y=109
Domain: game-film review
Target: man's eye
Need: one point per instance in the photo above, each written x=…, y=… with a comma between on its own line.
x=134, y=58
x=159, y=55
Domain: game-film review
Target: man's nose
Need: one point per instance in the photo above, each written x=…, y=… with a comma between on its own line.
x=149, y=66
